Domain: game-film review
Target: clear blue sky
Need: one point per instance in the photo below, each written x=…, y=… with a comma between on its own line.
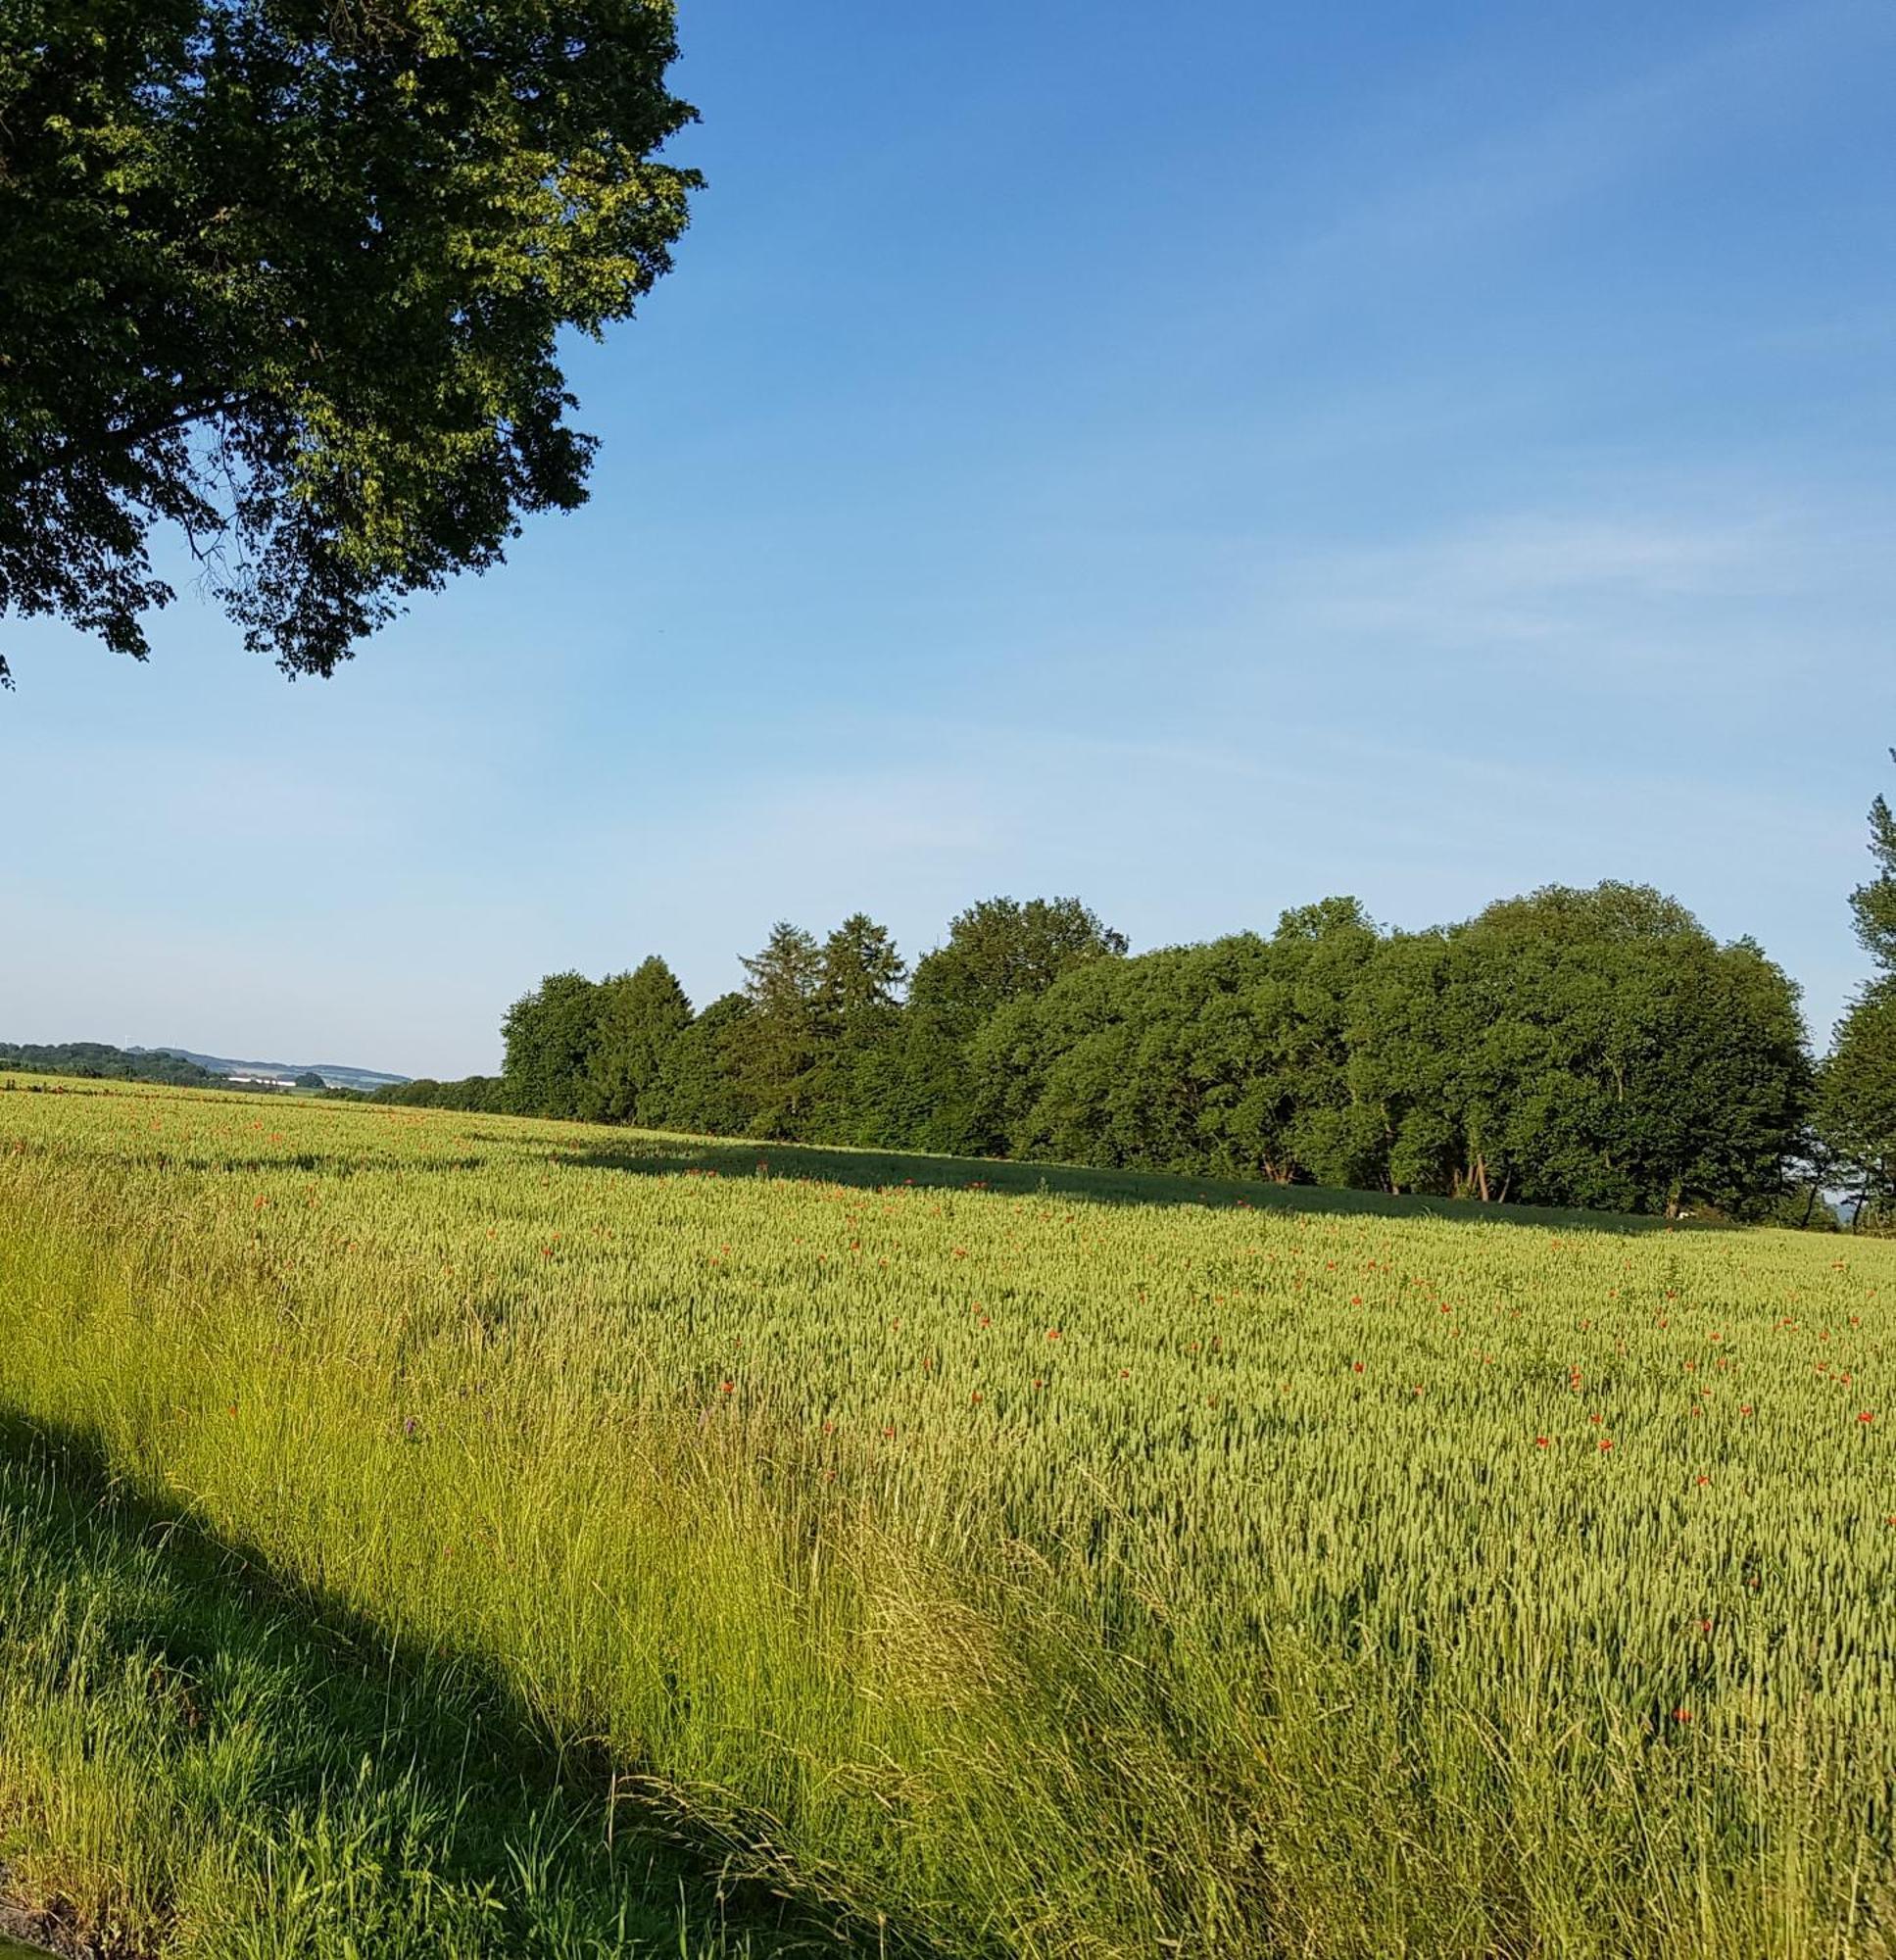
x=1201, y=458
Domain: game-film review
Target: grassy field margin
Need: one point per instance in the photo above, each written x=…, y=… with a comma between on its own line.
x=1298, y=1641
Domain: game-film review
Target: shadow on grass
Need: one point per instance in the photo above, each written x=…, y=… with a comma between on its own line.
x=657, y=1153
x=338, y=1725
x=648, y=1154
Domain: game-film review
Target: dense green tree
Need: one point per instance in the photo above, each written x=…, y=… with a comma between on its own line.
x=1229, y=1057
x=1298, y=1117
x=1578, y=1047
x=550, y=1037
x=859, y=1017
x=1875, y=903
x=860, y=973
x=418, y=1093
x=1856, y=1098
x=1591, y=1048
x=640, y=1016
x=101, y=1060
x=781, y=1045
x=700, y=1089
x=1405, y=1050
x=997, y=952
x=475, y=1094
x=291, y=274
x=1052, y=1073
x=1003, y=950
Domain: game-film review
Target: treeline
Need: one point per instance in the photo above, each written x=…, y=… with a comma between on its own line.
x=1570, y=1047
x=1855, y=1127
x=101, y=1062
x=470, y=1092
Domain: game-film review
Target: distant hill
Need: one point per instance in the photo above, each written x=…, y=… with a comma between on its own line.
x=337, y=1075
x=101, y=1062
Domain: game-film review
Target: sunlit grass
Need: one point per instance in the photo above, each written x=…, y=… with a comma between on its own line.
x=1037, y=1570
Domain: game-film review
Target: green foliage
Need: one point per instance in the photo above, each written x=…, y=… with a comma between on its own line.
x=1857, y=1100
x=699, y=1090
x=781, y=1043
x=1592, y=1049
x=640, y=1016
x=858, y=1014
x=1875, y=903
x=551, y=1036
x=291, y=276
x=478, y=1093
x=194, y=1761
x=997, y=952
x=99, y=1061
x=1094, y=1566
x=1001, y=950
x=1575, y=1048
x=860, y=974
x=1856, y=1117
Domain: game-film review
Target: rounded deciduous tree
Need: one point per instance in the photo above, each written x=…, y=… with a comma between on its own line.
x=289, y=274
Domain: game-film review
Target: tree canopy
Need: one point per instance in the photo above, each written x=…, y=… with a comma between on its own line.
x=1856, y=1126
x=288, y=274
x=1873, y=902
x=639, y=1016
x=101, y=1060
x=1590, y=1048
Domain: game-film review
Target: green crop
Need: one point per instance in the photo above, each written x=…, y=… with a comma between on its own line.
x=1110, y=1568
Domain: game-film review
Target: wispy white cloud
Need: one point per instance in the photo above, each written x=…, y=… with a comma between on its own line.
x=1530, y=579
x=1686, y=579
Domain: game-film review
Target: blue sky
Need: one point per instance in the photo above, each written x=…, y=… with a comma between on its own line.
x=1200, y=458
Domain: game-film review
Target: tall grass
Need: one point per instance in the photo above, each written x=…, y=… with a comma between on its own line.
x=1027, y=1574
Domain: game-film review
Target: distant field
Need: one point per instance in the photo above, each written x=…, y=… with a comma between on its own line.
x=519, y=1537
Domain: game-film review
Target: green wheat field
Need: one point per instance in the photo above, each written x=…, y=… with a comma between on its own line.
x=437, y=1533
